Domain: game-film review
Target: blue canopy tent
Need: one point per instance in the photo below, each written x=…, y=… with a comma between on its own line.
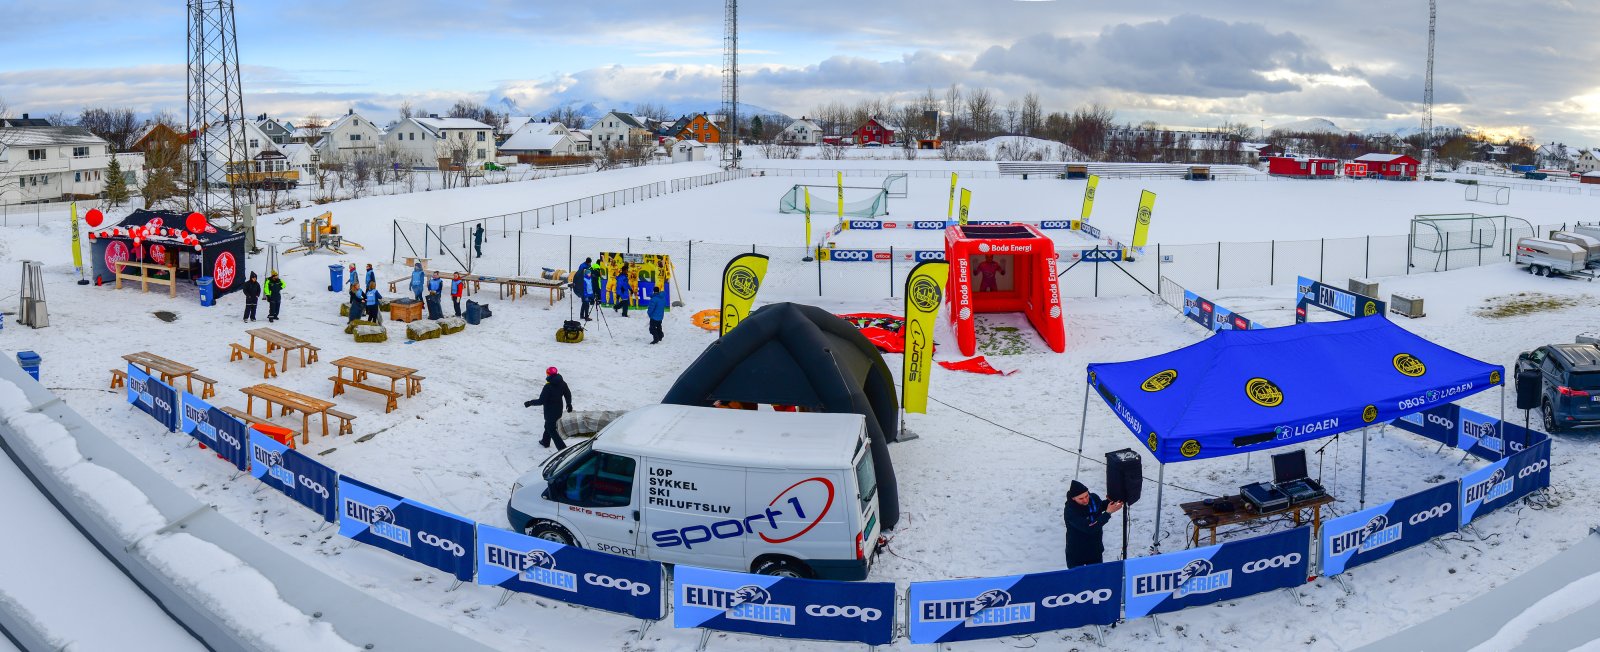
x=1252, y=390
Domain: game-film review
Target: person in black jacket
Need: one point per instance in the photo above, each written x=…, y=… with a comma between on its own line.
x=252, y=293
x=1086, y=516
x=554, y=391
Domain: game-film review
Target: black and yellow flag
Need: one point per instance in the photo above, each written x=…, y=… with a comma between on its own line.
x=1088, y=197
x=924, y=294
x=1141, y=220
x=741, y=279
x=966, y=206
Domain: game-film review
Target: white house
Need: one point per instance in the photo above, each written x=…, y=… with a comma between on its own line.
x=254, y=152
x=618, y=128
x=423, y=141
x=302, y=158
x=581, y=140
x=512, y=125
x=1586, y=160
x=349, y=136
x=540, y=139
x=280, y=131
x=800, y=132
x=1553, y=156
x=51, y=163
x=688, y=151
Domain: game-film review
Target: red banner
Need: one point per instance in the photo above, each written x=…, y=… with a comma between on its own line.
x=977, y=365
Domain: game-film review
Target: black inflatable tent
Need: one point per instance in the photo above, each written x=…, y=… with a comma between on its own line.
x=221, y=255
x=792, y=354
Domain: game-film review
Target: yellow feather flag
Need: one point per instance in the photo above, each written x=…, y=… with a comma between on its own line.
x=950, y=208
x=741, y=280
x=77, y=245
x=839, y=176
x=1141, y=221
x=1088, y=196
x=966, y=204
x=808, y=217
x=924, y=294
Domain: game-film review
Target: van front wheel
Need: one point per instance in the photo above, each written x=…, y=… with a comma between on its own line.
x=549, y=532
x=783, y=567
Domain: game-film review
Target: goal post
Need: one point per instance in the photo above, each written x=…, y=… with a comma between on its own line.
x=875, y=204
x=1489, y=193
x=1467, y=238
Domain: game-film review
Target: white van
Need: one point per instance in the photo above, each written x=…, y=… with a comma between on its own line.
x=787, y=494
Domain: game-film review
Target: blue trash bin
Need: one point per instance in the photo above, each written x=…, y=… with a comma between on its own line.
x=29, y=361
x=473, y=313
x=335, y=278
x=208, y=296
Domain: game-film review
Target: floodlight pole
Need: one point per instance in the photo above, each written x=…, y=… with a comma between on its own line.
x=1083, y=425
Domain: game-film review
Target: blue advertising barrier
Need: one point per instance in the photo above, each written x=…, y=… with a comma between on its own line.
x=1479, y=434
x=1211, y=316
x=154, y=397
x=765, y=605
x=1503, y=482
x=1340, y=302
x=1189, y=578
x=297, y=476
x=232, y=437
x=520, y=563
x=407, y=528
x=1377, y=532
x=196, y=420
x=1437, y=423
x=992, y=607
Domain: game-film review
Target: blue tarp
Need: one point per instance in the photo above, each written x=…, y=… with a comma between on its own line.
x=1243, y=391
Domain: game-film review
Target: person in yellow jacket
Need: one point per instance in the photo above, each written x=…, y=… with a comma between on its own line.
x=274, y=292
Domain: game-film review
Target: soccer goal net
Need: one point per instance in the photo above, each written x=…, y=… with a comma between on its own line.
x=824, y=201
x=1477, y=237
x=1489, y=193
x=896, y=185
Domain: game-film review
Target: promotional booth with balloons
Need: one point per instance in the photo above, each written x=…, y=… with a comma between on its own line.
x=187, y=241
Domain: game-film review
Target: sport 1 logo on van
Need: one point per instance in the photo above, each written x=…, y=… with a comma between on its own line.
x=731, y=528
x=748, y=602
x=990, y=608
x=379, y=520
x=533, y=566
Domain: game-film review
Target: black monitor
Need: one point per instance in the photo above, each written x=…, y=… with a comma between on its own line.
x=1288, y=467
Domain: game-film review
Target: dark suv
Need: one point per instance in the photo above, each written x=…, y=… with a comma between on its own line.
x=1570, y=391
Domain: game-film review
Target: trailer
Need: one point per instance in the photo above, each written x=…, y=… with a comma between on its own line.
x=1551, y=258
x=1589, y=243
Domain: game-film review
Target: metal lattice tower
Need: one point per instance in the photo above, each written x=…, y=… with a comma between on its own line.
x=1427, y=92
x=730, y=87
x=215, y=110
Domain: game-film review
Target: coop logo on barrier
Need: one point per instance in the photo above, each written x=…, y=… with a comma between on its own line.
x=1160, y=380
x=1280, y=561
x=928, y=225
x=1497, y=485
x=850, y=255
x=1372, y=535
x=852, y=612
x=1095, y=596
x=927, y=254
x=1263, y=392
x=990, y=608
x=274, y=463
x=379, y=520
x=864, y=225
x=533, y=566
x=619, y=583
x=1437, y=511
x=1056, y=224
x=1440, y=421
x=1409, y=365
x=1195, y=577
x=1101, y=255
x=748, y=602
x=1531, y=469
x=441, y=543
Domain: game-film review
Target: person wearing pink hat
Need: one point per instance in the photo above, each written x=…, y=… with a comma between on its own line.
x=550, y=396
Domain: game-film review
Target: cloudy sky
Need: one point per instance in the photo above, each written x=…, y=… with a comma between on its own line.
x=1529, y=67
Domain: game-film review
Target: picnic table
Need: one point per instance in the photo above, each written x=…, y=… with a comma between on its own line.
x=360, y=368
x=276, y=340
x=166, y=369
x=289, y=400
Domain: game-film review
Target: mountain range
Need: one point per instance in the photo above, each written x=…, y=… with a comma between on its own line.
x=592, y=109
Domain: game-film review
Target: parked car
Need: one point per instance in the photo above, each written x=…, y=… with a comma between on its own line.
x=1570, y=384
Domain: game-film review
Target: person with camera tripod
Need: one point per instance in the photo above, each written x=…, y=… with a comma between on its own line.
x=1086, y=516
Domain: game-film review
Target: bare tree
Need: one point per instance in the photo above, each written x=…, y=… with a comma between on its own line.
x=117, y=126
x=479, y=112
x=569, y=117
x=1031, y=117
x=952, y=109
x=1012, y=115
x=651, y=110
x=1088, y=127
x=980, y=111
x=406, y=111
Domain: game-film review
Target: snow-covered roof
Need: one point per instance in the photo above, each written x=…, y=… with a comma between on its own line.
x=32, y=136
x=528, y=140
x=629, y=119
x=435, y=125
x=514, y=123
x=1592, y=174
x=805, y=123
x=1378, y=158
x=542, y=128
x=741, y=438
x=885, y=124
x=689, y=144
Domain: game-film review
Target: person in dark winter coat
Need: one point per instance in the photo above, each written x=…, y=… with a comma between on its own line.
x=373, y=305
x=555, y=390
x=416, y=280
x=358, y=300
x=624, y=293
x=274, y=292
x=584, y=288
x=435, y=290
x=1086, y=516
x=477, y=239
x=252, y=292
x=657, y=311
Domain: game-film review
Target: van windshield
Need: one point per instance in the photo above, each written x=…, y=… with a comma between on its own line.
x=565, y=459
x=866, y=480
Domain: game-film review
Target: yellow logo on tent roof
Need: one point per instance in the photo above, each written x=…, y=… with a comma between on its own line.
x=1409, y=365
x=1263, y=392
x=1161, y=380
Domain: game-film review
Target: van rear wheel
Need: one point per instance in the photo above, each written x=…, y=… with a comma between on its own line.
x=549, y=532
x=783, y=567
x=1551, y=425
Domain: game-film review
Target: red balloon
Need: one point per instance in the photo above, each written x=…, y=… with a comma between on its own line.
x=196, y=222
x=94, y=217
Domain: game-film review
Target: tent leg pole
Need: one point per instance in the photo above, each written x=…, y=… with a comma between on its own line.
x=1363, y=468
x=1083, y=425
x=1161, y=483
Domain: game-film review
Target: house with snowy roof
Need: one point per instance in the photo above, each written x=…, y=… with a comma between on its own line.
x=350, y=136
x=617, y=128
x=540, y=139
x=423, y=141
x=804, y=131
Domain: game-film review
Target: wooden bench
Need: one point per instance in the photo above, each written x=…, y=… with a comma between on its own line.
x=311, y=354
x=339, y=383
x=249, y=418
x=119, y=378
x=270, y=370
x=414, y=384
x=345, y=428
x=208, y=387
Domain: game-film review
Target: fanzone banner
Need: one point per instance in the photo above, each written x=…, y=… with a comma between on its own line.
x=407, y=528
x=196, y=420
x=231, y=438
x=521, y=563
x=1189, y=578
x=966, y=205
x=1141, y=220
x=154, y=397
x=741, y=280
x=1503, y=482
x=1211, y=316
x=1377, y=532
x=924, y=293
x=297, y=476
x=1340, y=302
x=994, y=607
x=765, y=605
x=1088, y=197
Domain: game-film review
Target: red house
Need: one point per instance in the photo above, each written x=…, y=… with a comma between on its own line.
x=876, y=130
x=1390, y=166
x=1303, y=168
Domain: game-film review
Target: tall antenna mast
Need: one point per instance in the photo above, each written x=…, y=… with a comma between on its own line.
x=1427, y=92
x=215, y=110
x=730, y=87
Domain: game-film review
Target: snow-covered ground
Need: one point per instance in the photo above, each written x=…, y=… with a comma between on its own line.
x=981, y=489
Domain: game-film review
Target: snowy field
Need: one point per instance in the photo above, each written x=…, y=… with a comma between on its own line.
x=981, y=489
